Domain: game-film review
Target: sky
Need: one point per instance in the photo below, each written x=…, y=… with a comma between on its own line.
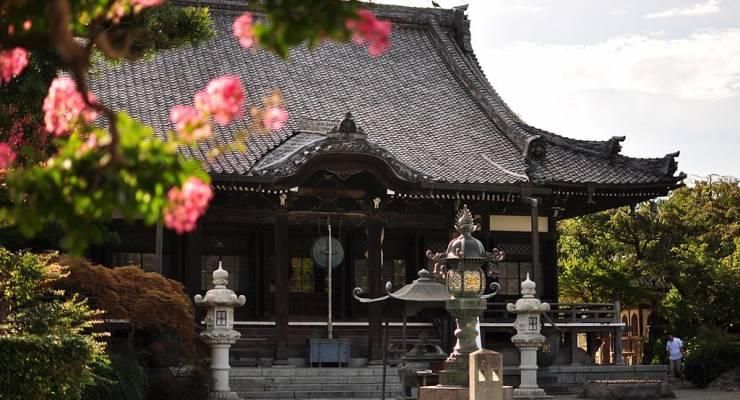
x=663, y=73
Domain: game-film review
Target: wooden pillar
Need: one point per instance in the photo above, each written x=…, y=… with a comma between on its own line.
x=192, y=262
x=281, y=286
x=574, y=347
x=374, y=266
x=158, y=248
x=617, y=334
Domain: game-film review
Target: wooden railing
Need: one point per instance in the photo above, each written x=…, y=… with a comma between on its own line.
x=561, y=313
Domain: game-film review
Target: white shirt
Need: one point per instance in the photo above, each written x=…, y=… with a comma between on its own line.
x=674, y=348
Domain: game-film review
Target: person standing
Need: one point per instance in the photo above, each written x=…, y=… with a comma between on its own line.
x=674, y=347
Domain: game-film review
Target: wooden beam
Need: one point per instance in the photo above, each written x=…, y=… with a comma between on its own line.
x=342, y=193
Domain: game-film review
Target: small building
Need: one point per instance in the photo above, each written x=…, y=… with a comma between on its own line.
x=386, y=149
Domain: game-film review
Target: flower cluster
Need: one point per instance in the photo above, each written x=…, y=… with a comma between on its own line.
x=274, y=118
x=222, y=99
x=186, y=205
x=7, y=156
x=368, y=29
x=12, y=63
x=190, y=123
x=242, y=28
x=64, y=106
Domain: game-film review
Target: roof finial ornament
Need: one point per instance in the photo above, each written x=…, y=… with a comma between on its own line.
x=464, y=223
x=347, y=127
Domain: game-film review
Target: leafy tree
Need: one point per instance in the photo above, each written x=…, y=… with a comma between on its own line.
x=603, y=257
x=48, y=339
x=153, y=306
x=59, y=166
x=681, y=255
x=704, y=268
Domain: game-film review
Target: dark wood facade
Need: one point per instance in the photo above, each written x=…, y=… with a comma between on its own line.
x=428, y=135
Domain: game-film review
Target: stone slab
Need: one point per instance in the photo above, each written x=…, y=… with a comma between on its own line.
x=443, y=393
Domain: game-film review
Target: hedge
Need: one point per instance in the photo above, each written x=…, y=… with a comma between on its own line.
x=704, y=365
x=44, y=366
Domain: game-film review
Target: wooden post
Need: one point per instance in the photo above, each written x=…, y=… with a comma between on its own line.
x=374, y=266
x=536, y=269
x=159, y=238
x=574, y=347
x=193, y=262
x=617, y=335
x=281, y=286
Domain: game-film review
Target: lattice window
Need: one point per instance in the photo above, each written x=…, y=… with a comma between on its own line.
x=301, y=275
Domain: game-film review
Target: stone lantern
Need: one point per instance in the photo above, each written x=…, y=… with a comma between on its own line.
x=219, y=332
x=528, y=339
x=460, y=265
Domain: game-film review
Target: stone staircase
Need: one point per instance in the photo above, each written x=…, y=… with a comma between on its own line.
x=314, y=383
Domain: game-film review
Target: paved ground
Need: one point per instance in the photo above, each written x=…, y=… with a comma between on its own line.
x=686, y=394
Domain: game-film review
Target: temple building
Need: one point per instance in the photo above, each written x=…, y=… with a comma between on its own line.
x=385, y=150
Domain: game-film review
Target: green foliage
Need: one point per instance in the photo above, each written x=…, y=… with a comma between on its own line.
x=710, y=354
x=682, y=257
x=595, y=264
x=704, y=227
x=124, y=380
x=48, y=344
x=55, y=367
x=291, y=22
x=165, y=27
x=80, y=188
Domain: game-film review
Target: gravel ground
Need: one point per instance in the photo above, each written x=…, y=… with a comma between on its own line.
x=686, y=393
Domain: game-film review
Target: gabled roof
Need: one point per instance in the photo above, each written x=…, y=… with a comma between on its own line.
x=425, y=108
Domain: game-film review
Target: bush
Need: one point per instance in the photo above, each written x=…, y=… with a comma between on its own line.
x=49, y=345
x=191, y=383
x=124, y=380
x=711, y=354
x=159, y=313
x=45, y=367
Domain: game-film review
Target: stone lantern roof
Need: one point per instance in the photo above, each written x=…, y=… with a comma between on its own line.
x=220, y=295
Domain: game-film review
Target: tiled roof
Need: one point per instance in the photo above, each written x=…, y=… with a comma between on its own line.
x=425, y=103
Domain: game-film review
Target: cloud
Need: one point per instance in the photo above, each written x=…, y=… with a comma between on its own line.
x=703, y=66
x=709, y=7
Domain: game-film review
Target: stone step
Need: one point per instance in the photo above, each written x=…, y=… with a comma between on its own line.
x=316, y=395
x=295, y=371
x=286, y=380
x=314, y=387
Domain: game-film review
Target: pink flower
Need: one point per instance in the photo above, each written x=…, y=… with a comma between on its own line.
x=64, y=105
x=146, y=3
x=368, y=29
x=242, y=28
x=27, y=24
x=222, y=98
x=186, y=205
x=90, y=144
x=12, y=63
x=7, y=156
x=190, y=124
x=274, y=118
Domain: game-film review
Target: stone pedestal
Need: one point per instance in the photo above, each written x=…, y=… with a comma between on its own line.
x=466, y=312
x=486, y=375
x=220, y=366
